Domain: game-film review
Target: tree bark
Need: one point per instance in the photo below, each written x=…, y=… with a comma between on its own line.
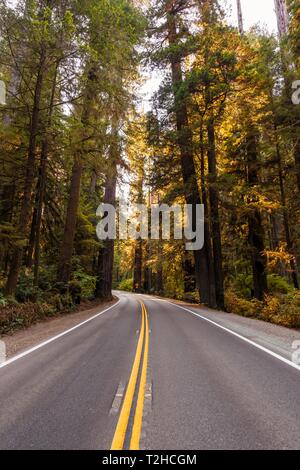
x=191, y=190
x=42, y=186
x=138, y=266
x=215, y=217
x=66, y=250
x=17, y=254
x=256, y=230
x=106, y=252
x=288, y=237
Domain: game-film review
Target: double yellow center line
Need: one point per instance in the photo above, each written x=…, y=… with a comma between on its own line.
x=121, y=429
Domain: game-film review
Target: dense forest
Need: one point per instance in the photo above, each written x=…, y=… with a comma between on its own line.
x=223, y=130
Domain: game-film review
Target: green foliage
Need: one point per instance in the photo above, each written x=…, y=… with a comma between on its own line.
x=26, y=291
x=86, y=283
x=279, y=309
x=278, y=284
x=243, y=285
x=126, y=285
x=3, y=301
x=241, y=306
x=62, y=303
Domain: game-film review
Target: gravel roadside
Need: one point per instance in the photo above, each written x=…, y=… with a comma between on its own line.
x=25, y=339
x=277, y=338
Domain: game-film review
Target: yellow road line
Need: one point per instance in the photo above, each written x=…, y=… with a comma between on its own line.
x=138, y=419
x=120, y=433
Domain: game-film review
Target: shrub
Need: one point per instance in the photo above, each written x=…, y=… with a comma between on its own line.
x=271, y=308
x=21, y=316
x=26, y=291
x=87, y=284
x=244, y=307
x=243, y=286
x=3, y=301
x=284, y=310
x=62, y=302
x=278, y=284
x=126, y=285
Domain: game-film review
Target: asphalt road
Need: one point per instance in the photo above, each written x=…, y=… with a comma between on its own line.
x=205, y=387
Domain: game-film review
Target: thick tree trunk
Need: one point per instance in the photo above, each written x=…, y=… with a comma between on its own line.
x=106, y=252
x=6, y=214
x=138, y=266
x=288, y=237
x=188, y=274
x=17, y=254
x=191, y=190
x=297, y=157
x=147, y=268
x=256, y=230
x=42, y=179
x=215, y=218
x=160, y=273
x=66, y=250
x=207, y=234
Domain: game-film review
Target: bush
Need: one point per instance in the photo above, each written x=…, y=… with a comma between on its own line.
x=126, y=285
x=284, y=310
x=278, y=284
x=244, y=307
x=26, y=291
x=242, y=285
x=62, y=302
x=3, y=301
x=16, y=317
x=87, y=284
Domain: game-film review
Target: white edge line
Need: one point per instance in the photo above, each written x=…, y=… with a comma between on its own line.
x=249, y=341
x=54, y=338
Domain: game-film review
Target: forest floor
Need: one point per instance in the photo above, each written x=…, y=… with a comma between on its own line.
x=21, y=340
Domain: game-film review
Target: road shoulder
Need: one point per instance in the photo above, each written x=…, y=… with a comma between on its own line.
x=276, y=338
x=22, y=340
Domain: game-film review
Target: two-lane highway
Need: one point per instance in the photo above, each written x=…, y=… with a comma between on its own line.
x=210, y=389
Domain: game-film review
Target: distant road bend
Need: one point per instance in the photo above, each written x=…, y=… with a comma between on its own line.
x=148, y=373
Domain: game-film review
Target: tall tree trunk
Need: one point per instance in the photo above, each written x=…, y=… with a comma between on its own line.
x=256, y=230
x=17, y=254
x=159, y=280
x=138, y=266
x=214, y=212
x=191, y=190
x=6, y=214
x=288, y=237
x=66, y=250
x=106, y=252
x=42, y=178
x=207, y=234
x=147, y=268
